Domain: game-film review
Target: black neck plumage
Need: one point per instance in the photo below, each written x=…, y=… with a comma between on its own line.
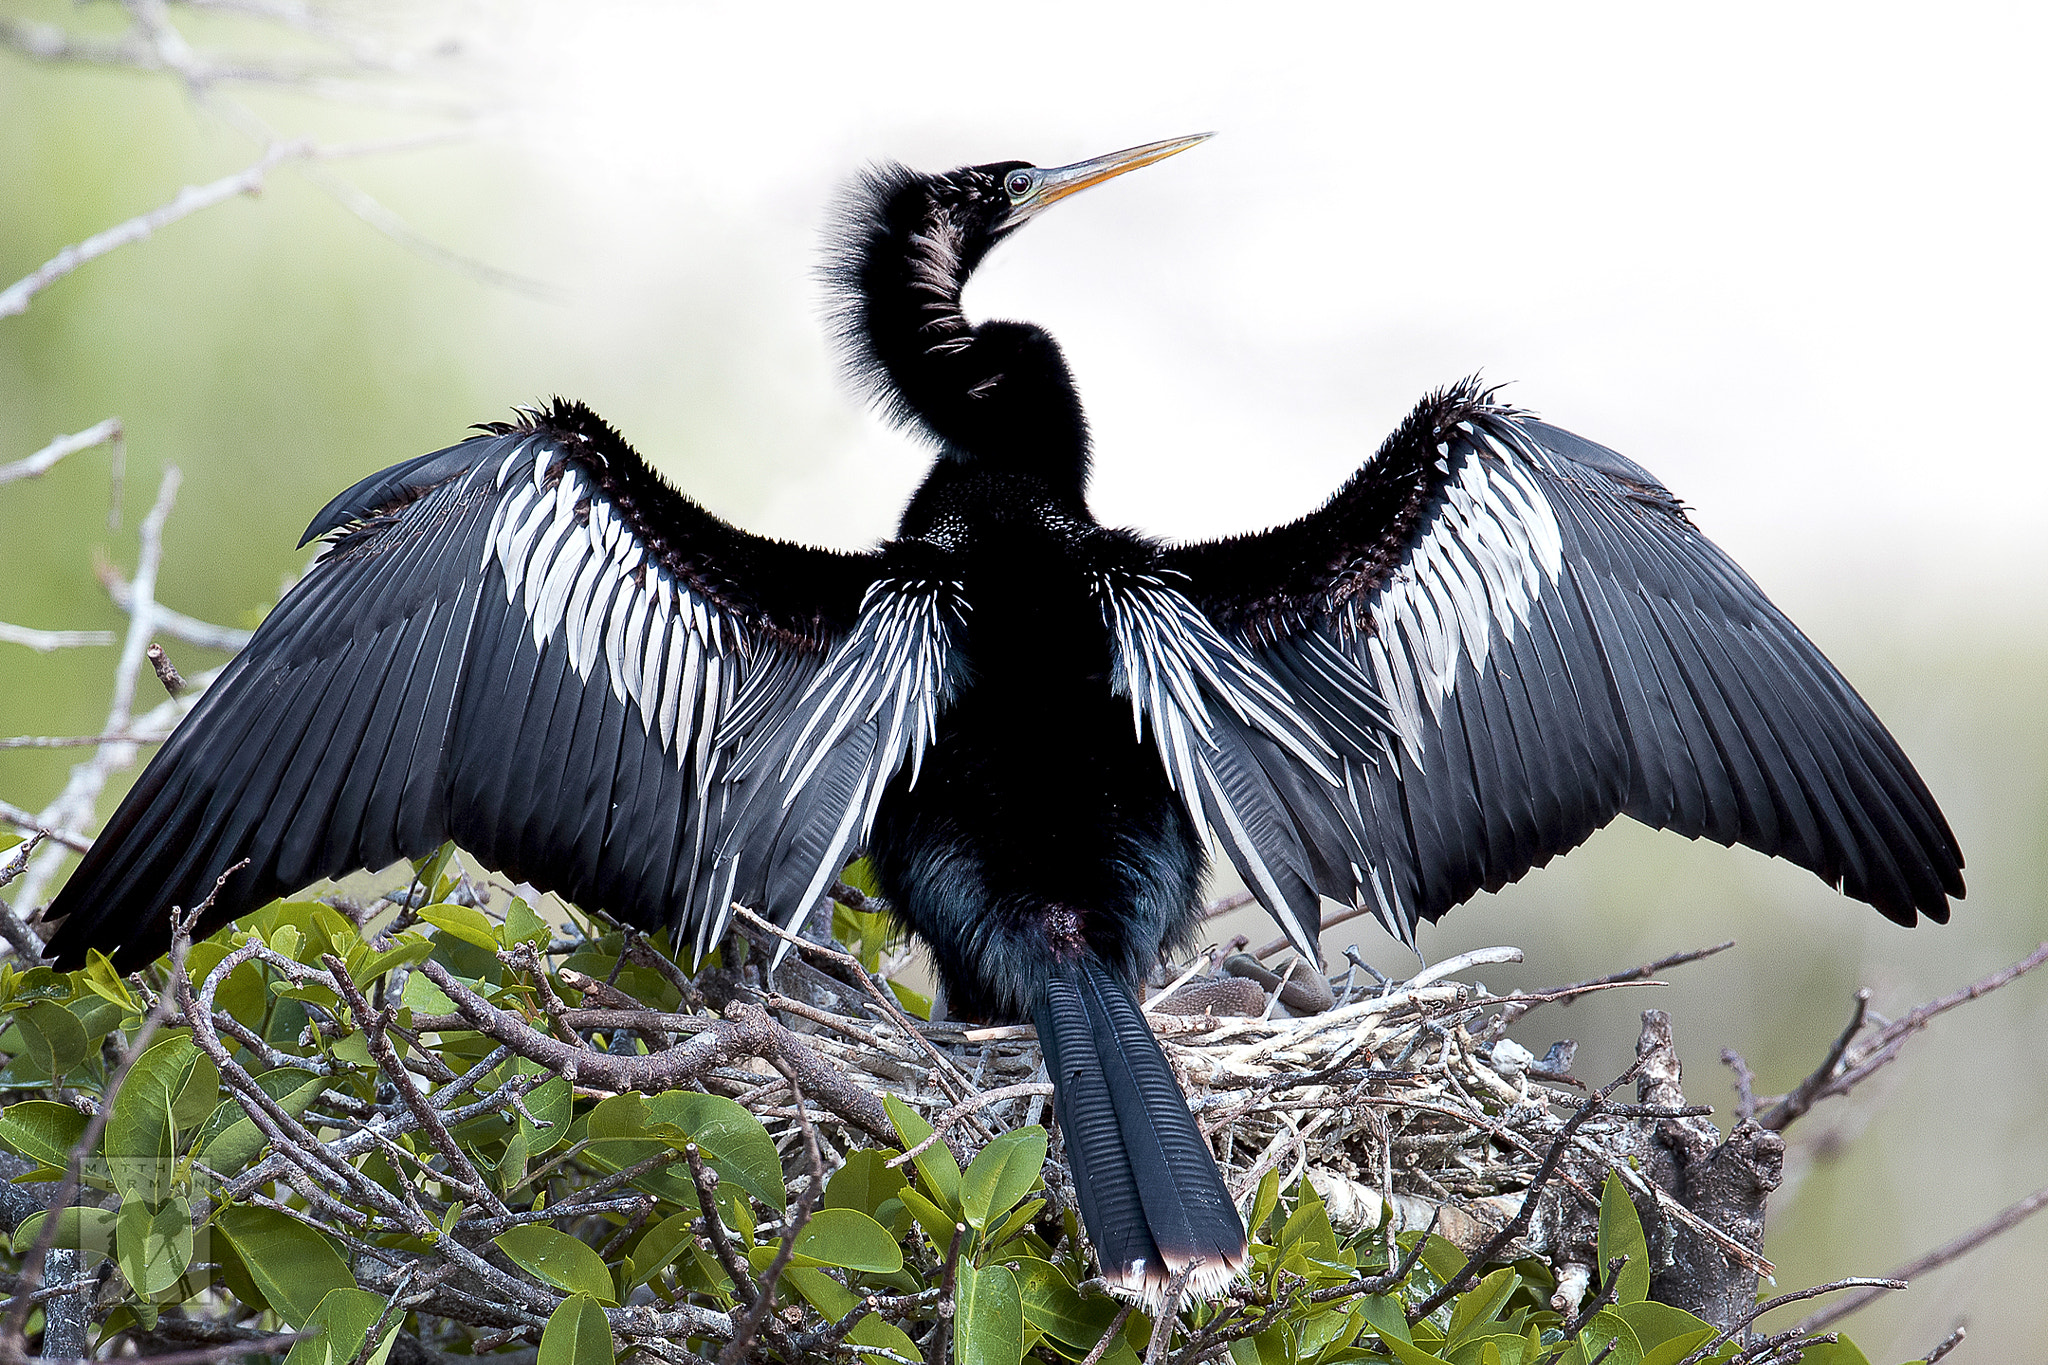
x=996, y=395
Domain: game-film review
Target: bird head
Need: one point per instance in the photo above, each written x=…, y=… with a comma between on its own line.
x=999, y=392
x=984, y=204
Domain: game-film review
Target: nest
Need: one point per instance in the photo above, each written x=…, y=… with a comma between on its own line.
x=1404, y=1104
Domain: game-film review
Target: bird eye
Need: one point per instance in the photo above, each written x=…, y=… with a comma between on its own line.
x=1020, y=184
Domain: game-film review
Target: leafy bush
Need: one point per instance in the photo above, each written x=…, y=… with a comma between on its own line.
x=399, y=1133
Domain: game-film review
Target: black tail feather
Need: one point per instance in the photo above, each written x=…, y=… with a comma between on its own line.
x=1151, y=1196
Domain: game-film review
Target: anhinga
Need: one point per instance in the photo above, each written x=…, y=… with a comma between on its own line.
x=1493, y=640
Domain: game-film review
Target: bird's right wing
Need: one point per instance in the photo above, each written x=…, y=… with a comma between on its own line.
x=531, y=645
x=1506, y=636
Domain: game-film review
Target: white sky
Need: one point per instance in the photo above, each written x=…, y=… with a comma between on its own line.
x=1787, y=257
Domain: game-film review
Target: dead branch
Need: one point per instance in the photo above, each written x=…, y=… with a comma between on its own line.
x=74, y=805
x=44, y=460
x=2003, y=1221
x=746, y=1031
x=14, y=300
x=1843, y=1072
x=175, y=624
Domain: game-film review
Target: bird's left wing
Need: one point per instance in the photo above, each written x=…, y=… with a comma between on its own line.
x=529, y=644
x=1504, y=636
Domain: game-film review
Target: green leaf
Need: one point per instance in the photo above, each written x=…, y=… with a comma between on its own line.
x=242, y=993
x=1308, y=1230
x=1385, y=1314
x=849, y=1239
x=577, y=1334
x=230, y=1140
x=42, y=983
x=1606, y=1326
x=912, y=1001
x=1322, y=1329
x=1841, y=1352
x=78, y=1228
x=1441, y=1257
x=98, y=1017
x=731, y=1139
x=422, y=996
x=1266, y=1347
x=153, y=1246
x=1012, y=1225
x=343, y=1321
x=468, y=924
x=290, y=1265
x=1656, y=1323
x=285, y=940
x=52, y=1037
x=864, y=1181
x=42, y=1130
x=934, y=1164
x=1264, y=1202
x=1621, y=1234
x=410, y=949
x=560, y=1260
x=860, y=875
x=620, y=1138
x=524, y=926
x=936, y=1222
x=988, y=1318
x=141, y=1137
x=834, y=1300
x=1675, y=1349
x=1056, y=1308
x=431, y=871
x=101, y=979
x=1477, y=1306
x=661, y=1244
x=1409, y=1354
x=1001, y=1174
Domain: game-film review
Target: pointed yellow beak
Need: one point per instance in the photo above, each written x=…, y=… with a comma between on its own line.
x=1047, y=186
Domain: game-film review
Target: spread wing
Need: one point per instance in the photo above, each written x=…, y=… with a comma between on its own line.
x=1503, y=636
x=530, y=644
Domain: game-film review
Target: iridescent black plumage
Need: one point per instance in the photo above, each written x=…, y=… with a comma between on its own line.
x=1495, y=638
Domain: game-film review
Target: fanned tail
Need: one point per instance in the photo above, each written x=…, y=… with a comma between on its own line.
x=1151, y=1196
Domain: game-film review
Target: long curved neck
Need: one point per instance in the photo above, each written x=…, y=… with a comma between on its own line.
x=997, y=395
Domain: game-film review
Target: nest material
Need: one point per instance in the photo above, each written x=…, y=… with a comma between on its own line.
x=1407, y=1103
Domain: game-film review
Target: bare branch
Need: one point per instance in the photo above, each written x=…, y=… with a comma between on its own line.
x=14, y=300
x=273, y=1345
x=74, y=805
x=966, y=1107
x=1469, y=1274
x=76, y=741
x=1164, y=1321
x=166, y=671
x=28, y=820
x=1223, y=905
x=746, y=1031
x=1956, y=1247
x=175, y=624
x=1781, y=1115
x=1948, y=1343
x=1110, y=1335
x=44, y=641
x=1650, y=969
x=1884, y=1046
x=46, y=459
x=1872, y=1289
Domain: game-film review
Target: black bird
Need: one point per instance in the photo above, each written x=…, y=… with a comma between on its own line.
x=1493, y=640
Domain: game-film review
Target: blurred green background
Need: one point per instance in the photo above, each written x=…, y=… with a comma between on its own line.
x=1787, y=263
